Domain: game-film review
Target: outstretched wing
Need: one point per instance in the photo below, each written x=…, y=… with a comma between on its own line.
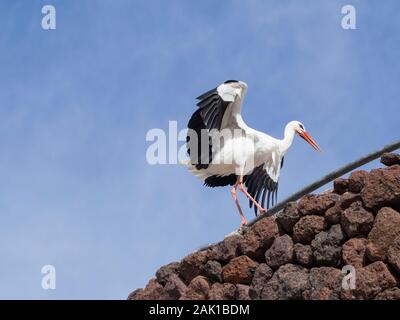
x=262, y=187
x=212, y=107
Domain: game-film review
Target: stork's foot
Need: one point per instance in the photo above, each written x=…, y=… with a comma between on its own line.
x=243, y=223
x=262, y=211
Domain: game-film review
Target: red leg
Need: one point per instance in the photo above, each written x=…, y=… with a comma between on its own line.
x=243, y=189
x=234, y=196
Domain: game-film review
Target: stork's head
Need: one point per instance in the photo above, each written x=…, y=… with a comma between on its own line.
x=299, y=128
x=232, y=89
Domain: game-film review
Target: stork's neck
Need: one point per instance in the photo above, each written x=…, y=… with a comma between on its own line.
x=287, y=141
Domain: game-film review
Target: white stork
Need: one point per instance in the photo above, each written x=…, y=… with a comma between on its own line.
x=244, y=158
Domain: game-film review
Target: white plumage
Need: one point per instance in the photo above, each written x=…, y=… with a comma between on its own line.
x=224, y=151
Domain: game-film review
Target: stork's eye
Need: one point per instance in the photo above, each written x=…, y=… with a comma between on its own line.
x=301, y=126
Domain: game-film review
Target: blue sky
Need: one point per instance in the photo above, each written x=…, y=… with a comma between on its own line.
x=76, y=191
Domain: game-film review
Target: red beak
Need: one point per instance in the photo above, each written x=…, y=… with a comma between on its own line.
x=310, y=140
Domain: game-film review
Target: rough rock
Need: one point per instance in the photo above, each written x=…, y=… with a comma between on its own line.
x=356, y=221
x=326, y=283
x=385, y=230
x=166, y=271
x=225, y=250
x=333, y=214
x=242, y=292
x=174, y=287
x=213, y=270
x=317, y=204
x=390, y=159
x=357, y=181
x=307, y=227
x=353, y=252
x=288, y=217
x=239, y=270
x=393, y=255
x=152, y=291
x=222, y=291
x=303, y=255
x=326, y=247
x=370, y=281
x=192, y=265
x=135, y=295
x=198, y=289
x=259, y=238
x=262, y=274
x=340, y=185
x=288, y=282
x=347, y=199
x=389, y=294
x=280, y=253
x=382, y=188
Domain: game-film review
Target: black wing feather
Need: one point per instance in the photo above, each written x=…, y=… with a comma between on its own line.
x=263, y=197
x=260, y=190
x=207, y=94
x=203, y=103
x=220, y=181
x=209, y=116
x=257, y=176
x=259, y=184
x=210, y=100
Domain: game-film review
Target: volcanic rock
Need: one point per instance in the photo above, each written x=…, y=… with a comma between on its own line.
x=327, y=248
x=333, y=214
x=152, y=291
x=225, y=250
x=174, y=288
x=213, y=270
x=166, y=271
x=393, y=255
x=326, y=283
x=370, y=281
x=353, y=252
x=389, y=294
x=356, y=221
x=198, y=289
x=385, y=230
x=357, y=181
x=262, y=274
x=303, y=255
x=192, y=265
x=382, y=188
x=242, y=292
x=317, y=204
x=288, y=217
x=347, y=199
x=280, y=253
x=390, y=159
x=239, y=270
x=222, y=291
x=307, y=227
x=340, y=185
x=259, y=238
x=289, y=282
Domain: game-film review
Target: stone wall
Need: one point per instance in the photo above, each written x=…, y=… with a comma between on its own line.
x=301, y=253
